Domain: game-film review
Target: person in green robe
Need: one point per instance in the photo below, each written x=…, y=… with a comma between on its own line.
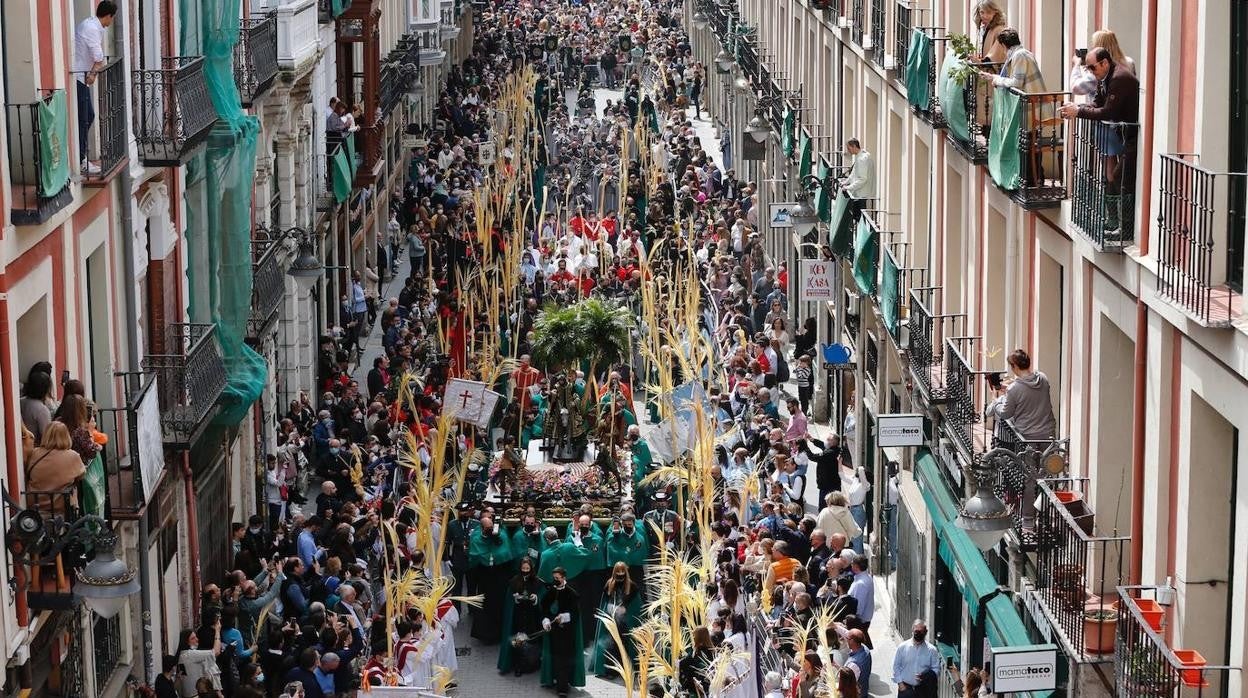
x=565, y=555
x=527, y=541
x=521, y=615
x=534, y=421
x=589, y=583
x=621, y=600
x=563, y=664
x=641, y=460
x=627, y=543
x=489, y=561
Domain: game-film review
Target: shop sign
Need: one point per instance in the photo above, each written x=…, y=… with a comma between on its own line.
x=899, y=430
x=817, y=281
x=1023, y=669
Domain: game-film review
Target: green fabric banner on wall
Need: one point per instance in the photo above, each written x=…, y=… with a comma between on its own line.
x=952, y=102
x=840, y=237
x=340, y=167
x=805, y=162
x=787, y=133
x=890, y=289
x=823, y=202
x=349, y=145
x=53, y=144
x=918, y=61
x=1003, y=156
x=866, y=251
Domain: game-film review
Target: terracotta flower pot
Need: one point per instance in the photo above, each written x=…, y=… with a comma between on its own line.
x=1098, y=631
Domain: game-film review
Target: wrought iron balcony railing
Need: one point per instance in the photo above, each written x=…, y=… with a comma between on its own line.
x=905, y=16
x=1197, y=226
x=255, y=58
x=126, y=466
x=879, y=27
x=106, y=140
x=189, y=380
x=108, y=650
x=857, y=21
x=268, y=286
x=1145, y=666
x=1041, y=151
x=1077, y=568
x=965, y=389
x=831, y=8
x=297, y=28
x=1102, y=196
x=173, y=113
x=330, y=10
x=40, y=183
x=977, y=92
x=924, y=353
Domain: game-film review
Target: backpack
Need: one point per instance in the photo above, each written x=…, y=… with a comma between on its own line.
x=782, y=368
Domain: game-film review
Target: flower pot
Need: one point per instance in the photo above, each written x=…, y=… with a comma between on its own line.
x=1098, y=631
x=1152, y=613
x=1191, y=677
x=1066, y=497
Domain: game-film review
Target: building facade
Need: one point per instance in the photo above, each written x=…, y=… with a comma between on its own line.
x=1111, y=251
x=155, y=273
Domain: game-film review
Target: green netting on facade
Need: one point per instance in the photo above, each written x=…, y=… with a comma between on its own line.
x=1003, y=158
x=218, y=207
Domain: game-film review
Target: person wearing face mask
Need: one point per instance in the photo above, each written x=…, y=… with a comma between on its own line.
x=489, y=561
x=562, y=664
x=628, y=544
x=322, y=432
x=642, y=459
x=527, y=542
x=565, y=555
x=521, y=615
x=916, y=666
x=621, y=600
x=588, y=584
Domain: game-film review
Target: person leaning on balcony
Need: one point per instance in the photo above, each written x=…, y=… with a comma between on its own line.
x=1117, y=100
x=860, y=183
x=53, y=466
x=1025, y=402
x=89, y=59
x=1020, y=69
x=1082, y=80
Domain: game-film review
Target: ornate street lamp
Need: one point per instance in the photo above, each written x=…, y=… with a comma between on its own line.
x=984, y=517
x=724, y=62
x=758, y=128
x=700, y=20
x=804, y=217
x=306, y=267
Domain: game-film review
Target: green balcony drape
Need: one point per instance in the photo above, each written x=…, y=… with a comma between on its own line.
x=840, y=236
x=866, y=252
x=1003, y=157
x=787, y=132
x=952, y=99
x=890, y=288
x=53, y=144
x=918, y=62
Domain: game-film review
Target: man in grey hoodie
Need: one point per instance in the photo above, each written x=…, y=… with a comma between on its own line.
x=1025, y=402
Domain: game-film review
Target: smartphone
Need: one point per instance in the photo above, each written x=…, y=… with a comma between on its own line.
x=1082, y=53
x=994, y=380
x=64, y=376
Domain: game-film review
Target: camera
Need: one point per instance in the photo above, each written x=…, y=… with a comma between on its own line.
x=1082, y=53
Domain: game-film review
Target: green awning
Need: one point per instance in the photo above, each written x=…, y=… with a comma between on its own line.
x=967, y=566
x=941, y=505
x=1004, y=626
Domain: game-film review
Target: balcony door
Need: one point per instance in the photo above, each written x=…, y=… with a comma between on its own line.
x=1238, y=141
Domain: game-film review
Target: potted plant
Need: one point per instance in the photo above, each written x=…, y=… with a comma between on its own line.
x=1099, y=627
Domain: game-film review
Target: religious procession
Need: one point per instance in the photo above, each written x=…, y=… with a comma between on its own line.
x=579, y=444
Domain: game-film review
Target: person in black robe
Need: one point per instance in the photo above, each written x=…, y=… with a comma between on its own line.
x=563, y=660
x=521, y=614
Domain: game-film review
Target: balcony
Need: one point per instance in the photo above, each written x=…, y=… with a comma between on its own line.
x=1032, y=169
x=909, y=30
x=1077, y=569
x=106, y=140
x=879, y=20
x=968, y=131
x=857, y=21
x=1198, y=218
x=831, y=9
x=924, y=352
x=131, y=472
x=255, y=58
x=1102, y=196
x=965, y=391
x=297, y=29
x=1145, y=666
x=189, y=380
x=39, y=166
x=268, y=287
x=175, y=112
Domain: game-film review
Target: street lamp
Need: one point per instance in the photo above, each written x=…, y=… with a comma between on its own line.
x=743, y=85
x=724, y=62
x=700, y=20
x=804, y=217
x=306, y=267
x=758, y=128
x=106, y=582
x=984, y=517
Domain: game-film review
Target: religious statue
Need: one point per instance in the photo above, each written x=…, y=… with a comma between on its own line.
x=566, y=432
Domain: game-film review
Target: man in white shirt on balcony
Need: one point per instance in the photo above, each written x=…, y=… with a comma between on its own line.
x=860, y=183
x=88, y=61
